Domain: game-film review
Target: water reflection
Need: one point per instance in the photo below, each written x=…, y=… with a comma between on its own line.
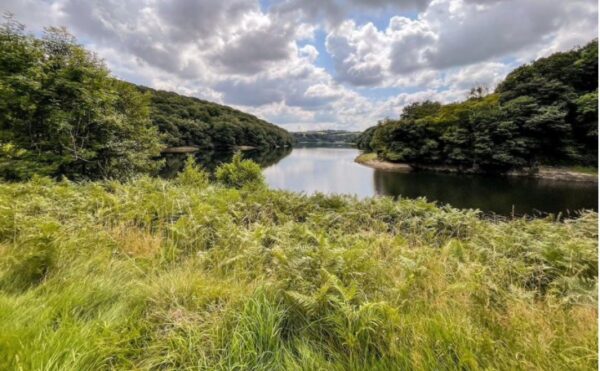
x=333, y=170
x=502, y=195
x=326, y=170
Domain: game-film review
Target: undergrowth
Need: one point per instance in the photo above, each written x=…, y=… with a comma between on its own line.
x=188, y=274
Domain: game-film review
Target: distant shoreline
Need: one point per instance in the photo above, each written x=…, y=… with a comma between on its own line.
x=371, y=160
x=544, y=172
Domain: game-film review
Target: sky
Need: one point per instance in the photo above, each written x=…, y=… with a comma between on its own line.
x=317, y=64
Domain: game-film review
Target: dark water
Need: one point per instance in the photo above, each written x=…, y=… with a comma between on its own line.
x=333, y=170
x=209, y=160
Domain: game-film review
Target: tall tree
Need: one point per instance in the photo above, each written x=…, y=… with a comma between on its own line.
x=63, y=114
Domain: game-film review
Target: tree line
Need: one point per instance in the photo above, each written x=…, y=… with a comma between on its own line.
x=63, y=114
x=191, y=121
x=325, y=136
x=543, y=113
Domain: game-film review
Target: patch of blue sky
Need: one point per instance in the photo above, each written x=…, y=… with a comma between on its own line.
x=324, y=59
x=265, y=5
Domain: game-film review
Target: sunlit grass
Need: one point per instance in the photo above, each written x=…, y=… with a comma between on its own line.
x=184, y=274
x=584, y=169
x=366, y=157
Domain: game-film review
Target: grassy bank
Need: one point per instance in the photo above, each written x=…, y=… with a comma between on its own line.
x=583, y=170
x=370, y=159
x=155, y=274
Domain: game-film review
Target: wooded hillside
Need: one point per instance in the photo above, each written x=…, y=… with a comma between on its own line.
x=545, y=112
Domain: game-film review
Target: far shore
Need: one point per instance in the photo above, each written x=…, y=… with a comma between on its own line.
x=181, y=149
x=192, y=149
x=371, y=160
x=544, y=172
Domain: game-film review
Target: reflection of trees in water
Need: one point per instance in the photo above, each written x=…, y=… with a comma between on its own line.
x=490, y=193
x=268, y=157
x=209, y=160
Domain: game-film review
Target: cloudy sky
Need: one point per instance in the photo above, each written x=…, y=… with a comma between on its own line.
x=314, y=64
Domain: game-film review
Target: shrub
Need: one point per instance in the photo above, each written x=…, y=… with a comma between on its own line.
x=240, y=173
x=192, y=174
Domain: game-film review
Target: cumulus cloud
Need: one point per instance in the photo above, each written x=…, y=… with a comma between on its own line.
x=268, y=60
x=358, y=53
x=335, y=11
x=454, y=33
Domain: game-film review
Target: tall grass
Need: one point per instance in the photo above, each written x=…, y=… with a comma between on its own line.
x=185, y=274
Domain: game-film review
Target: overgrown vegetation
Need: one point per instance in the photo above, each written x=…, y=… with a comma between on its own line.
x=187, y=274
x=544, y=113
x=240, y=173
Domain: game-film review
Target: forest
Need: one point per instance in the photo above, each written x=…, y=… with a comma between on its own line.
x=63, y=114
x=543, y=113
x=185, y=121
x=325, y=136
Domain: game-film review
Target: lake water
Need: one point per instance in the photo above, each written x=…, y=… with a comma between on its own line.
x=333, y=170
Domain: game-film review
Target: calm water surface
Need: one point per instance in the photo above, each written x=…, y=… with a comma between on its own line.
x=333, y=170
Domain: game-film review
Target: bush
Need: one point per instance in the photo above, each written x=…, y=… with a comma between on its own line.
x=240, y=173
x=192, y=174
x=62, y=113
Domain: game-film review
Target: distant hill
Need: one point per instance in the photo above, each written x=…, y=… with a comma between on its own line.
x=189, y=121
x=325, y=136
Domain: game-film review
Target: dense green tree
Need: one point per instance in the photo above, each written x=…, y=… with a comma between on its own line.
x=191, y=121
x=63, y=114
x=419, y=110
x=240, y=173
x=363, y=141
x=542, y=113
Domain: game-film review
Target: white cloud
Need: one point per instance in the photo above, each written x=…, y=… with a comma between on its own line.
x=455, y=33
x=267, y=61
x=335, y=11
x=309, y=52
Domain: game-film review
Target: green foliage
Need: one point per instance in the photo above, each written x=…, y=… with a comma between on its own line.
x=542, y=113
x=156, y=274
x=191, y=121
x=240, y=173
x=364, y=139
x=63, y=114
x=325, y=136
x=192, y=174
x=419, y=110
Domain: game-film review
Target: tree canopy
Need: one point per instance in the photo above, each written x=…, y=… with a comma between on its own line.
x=191, y=121
x=61, y=113
x=545, y=112
x=325, y=136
